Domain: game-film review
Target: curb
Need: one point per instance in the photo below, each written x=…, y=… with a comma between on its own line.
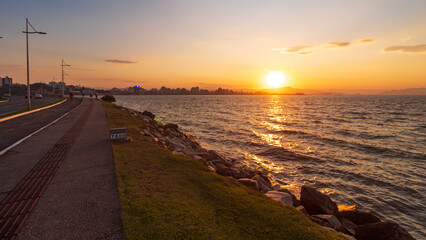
x=5, y=101
x=32, y=111
x=39, y=130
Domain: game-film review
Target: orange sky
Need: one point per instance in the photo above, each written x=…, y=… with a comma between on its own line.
x=332, y=44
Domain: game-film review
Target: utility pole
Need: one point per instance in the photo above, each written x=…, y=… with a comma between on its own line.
x=28, y=69
x=28, y=59
x=63, y=83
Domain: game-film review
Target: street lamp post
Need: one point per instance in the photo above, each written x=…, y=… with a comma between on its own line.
x=28, y=60
x=63, y=83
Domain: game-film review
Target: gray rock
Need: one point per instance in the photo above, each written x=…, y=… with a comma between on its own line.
x=348, y=225
x=381, y=231
x=171, y=126
x=178, y=153
x=145, y=118
x=148, y=114
x=357, y=214
x=211, y=168
x=263, y=185
x=302, y=209
x=296, y=201
x=208, y=163
x=197, y=157
x=249, y=183
x=241, y=173
x=316, y=202
x=332, y=220
x=281, y=197
x=222, y=169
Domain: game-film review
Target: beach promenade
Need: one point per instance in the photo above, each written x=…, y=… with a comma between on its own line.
x=60, y=183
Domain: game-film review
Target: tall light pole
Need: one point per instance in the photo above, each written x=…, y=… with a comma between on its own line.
x=63, y=83
x=28, y=60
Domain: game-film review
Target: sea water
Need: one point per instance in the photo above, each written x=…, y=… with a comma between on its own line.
x=367, y=150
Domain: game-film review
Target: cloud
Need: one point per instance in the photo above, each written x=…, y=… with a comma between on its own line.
x=293, y=49
x=120, y=61
x=308, y=49
x=407, y=49
x=296, y=49
x=339, y=44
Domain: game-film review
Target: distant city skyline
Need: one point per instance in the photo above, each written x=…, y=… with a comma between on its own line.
x=230, y=44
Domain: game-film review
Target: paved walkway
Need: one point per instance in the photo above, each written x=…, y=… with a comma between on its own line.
x=81, y=199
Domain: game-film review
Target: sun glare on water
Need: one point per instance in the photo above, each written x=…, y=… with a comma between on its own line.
x=275, y=79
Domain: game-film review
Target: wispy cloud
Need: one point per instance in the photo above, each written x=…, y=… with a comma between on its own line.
x=120, y=61
x=308, y=49
x=339, y=44
x=407, y=49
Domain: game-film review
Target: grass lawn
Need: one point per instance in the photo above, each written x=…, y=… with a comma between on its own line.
x=172, y=197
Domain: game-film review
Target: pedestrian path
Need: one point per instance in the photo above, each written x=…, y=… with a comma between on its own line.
x=71, y=192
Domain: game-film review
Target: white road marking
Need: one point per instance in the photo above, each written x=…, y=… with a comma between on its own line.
x=39, y=130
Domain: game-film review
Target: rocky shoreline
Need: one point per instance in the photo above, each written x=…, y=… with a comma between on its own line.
x=353, y=221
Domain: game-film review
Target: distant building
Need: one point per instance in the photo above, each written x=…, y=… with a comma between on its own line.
x=53, y=84
x=6, y=81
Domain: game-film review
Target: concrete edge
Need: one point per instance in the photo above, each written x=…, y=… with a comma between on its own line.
x=5, y=101
x=39, y=130
x=32, y=111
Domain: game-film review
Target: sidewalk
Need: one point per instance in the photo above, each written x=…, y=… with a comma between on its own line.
x=81, y=201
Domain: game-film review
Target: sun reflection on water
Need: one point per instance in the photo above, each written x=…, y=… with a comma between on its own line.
x=263, y=163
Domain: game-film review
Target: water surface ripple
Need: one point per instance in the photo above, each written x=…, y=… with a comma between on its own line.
x=368, y=150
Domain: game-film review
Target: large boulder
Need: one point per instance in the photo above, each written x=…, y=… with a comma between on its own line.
x=348, y=225
x=316, y=202
x=222, y=169
x=381, y=231
x=296, y=201
x=357, y=214
x=240, y=173
x=332, y=220
x=281, y=197
x=263, y=185
x=148, y=114
x=249, y=183
x=171, y=126
x=302, y=209
x=211, y=155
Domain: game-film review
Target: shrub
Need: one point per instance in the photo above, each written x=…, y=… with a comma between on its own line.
x=108, y=98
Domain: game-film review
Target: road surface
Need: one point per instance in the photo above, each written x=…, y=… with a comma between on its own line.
x=18, y=103
x=17, y=128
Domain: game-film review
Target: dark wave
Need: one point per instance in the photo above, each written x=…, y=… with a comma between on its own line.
x=286, y=155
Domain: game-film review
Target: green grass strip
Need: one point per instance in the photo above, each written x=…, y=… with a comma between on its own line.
x=164, y=196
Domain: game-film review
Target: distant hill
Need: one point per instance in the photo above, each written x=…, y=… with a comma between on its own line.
x=408, y=91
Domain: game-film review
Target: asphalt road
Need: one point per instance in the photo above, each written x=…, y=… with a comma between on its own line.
x=18, y=103
x=82, y=200
x=15, y=129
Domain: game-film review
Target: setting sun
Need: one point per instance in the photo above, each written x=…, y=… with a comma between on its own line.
x=275, y=79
